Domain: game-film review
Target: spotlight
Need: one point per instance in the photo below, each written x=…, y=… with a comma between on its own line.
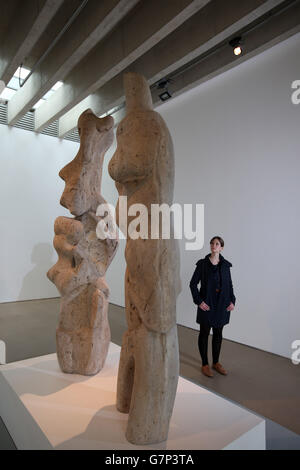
x=235, y=43
x=163, y=85
x=165, y=95
x=237, y=50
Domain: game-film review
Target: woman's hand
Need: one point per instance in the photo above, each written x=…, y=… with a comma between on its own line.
x=204, y=306
x=230, y=307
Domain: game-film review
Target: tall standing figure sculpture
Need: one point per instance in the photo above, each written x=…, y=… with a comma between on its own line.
x=143, y=169
x=83, y=333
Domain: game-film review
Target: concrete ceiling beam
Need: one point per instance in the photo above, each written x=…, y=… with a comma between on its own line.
x=275, y=30
x=28, y=25
x=203, y=31
x=94, y=22
x=148, y=24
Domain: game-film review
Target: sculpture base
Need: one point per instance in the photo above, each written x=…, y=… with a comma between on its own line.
x=82, y=351
x=44, y=408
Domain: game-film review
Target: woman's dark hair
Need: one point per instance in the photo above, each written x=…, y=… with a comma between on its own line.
x=218, y=238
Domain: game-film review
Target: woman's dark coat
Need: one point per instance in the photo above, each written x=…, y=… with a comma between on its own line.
x=217, y=316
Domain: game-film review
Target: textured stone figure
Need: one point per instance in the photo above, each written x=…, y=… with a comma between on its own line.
x=83, y=333
x=143, y=168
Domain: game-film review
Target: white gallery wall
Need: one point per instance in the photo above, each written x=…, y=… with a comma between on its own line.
x=236, y=142
x=116, y=271
x=30, y=191
x=237, y=145
x=237, y=151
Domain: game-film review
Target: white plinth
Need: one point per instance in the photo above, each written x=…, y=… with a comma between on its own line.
x=44, y=409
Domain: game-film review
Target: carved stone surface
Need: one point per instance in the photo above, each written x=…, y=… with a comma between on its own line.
x=83, y=333
x=143, y=169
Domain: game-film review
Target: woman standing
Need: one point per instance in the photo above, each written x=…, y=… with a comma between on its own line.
x=215, y=301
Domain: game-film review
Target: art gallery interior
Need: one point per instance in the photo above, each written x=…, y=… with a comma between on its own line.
x=234, y=119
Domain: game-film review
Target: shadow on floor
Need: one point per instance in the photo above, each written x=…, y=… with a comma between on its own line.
x=262, y=382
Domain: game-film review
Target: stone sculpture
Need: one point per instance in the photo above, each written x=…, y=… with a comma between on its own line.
x=83, y=333
x=143, y=169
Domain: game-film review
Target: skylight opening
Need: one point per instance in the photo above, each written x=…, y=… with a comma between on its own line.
x=38, y=104
x=14, y=85
x=48, y=95
x=21, y=72
x=57, y=86
x=7, y=94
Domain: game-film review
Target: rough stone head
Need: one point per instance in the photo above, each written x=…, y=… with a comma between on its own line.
x=83, y=174
x=137, y=92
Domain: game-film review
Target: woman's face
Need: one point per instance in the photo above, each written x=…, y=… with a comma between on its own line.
x=215, y=246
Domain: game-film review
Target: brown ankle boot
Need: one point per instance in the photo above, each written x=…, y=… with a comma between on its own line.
x=207, y=371
x=219, y=368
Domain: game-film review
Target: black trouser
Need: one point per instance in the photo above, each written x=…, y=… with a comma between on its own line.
x=203, y=343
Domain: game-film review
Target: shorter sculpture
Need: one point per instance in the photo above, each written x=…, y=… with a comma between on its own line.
x=83, y=333
x=143, y=169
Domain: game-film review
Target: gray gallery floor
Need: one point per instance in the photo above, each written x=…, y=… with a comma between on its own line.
x=259, y=381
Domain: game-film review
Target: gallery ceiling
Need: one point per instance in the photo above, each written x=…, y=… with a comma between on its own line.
x=76, y=51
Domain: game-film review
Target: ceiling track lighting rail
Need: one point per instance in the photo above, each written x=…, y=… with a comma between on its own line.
x=257, y=23
x=162, y=86
x=222, y=45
